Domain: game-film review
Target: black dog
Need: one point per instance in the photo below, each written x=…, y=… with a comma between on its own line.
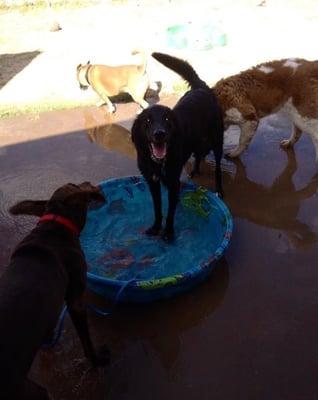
x=165, y=139
x=47, y=268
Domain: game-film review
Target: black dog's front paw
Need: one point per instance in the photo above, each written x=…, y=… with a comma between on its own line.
x=102, y=358
x=193, y=173
x=154, y=230
x=168, y=235
x=220, y=194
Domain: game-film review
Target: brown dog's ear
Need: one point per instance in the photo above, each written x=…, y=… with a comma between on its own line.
x=88, y=62
x=87, y=196
x=97, y=196
x=79, y=66
x=29, y=207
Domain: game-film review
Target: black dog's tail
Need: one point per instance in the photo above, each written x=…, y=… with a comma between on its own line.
x=182, y=68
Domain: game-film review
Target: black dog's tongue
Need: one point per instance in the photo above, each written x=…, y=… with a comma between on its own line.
x=159, y=150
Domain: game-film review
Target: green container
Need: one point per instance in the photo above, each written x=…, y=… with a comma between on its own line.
x=196, y=36
x=177, y=36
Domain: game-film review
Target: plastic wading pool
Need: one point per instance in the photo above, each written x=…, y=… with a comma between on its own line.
x=124, y=264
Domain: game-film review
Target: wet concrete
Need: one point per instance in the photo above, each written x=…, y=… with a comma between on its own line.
x=248, y=332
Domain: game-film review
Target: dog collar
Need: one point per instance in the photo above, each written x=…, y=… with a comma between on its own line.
x=60, y=220
x=86, y=74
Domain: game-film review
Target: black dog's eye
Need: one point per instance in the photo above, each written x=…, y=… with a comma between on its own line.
x=167, y=119
x=148, y=120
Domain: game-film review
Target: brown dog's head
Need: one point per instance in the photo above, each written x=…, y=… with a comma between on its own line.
x=154, y=130
x=81, y=75
x=70, y=201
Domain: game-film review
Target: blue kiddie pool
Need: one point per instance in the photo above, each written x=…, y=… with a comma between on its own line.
x=127, y=265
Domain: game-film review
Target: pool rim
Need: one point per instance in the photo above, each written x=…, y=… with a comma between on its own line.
x=184, y=277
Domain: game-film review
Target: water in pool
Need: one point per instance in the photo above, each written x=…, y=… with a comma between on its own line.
x=117, y=248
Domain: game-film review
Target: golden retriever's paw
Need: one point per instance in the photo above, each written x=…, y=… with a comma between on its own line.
x=286, y=143
x=234, y=153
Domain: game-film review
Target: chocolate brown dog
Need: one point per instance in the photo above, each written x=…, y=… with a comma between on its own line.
x=109, y=81
x=46, y=269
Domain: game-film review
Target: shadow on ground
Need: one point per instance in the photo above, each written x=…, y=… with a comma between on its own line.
x=12, y=64
x=249, y=331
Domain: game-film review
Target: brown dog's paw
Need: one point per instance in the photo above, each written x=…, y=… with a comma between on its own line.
x=102, y=358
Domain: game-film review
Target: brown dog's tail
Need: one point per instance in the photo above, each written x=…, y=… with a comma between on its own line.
x=182, y=68
x=143, y=64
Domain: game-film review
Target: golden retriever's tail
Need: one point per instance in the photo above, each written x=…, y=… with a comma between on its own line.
x=182, y=68
x=143, y=63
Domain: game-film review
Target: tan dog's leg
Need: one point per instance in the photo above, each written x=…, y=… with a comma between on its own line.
x=105, y=100
x=100, y=103
x=248, y=129
x=111, y=107
x=140, y=100
x=138, y=93
x=295, y=135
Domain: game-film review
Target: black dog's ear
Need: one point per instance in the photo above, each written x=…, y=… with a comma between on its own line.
x=29, y=207
x=135, y=128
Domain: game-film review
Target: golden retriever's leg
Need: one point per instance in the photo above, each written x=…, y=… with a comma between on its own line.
x=314, y=137
x=295, y=135
x=248, y=129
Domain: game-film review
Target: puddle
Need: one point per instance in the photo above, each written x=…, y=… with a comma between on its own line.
x=113, y=137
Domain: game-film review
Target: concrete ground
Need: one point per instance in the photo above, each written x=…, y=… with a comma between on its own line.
x=248, y=332
x=38, y=66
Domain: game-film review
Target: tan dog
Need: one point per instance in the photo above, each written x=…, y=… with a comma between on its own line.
x=290, y=84
x=109, y=81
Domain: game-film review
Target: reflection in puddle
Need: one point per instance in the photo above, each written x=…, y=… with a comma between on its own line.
x=275, y=207
x=113, y=137
x=177, y=315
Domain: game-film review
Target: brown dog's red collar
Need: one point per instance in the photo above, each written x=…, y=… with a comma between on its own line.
x=61, y=220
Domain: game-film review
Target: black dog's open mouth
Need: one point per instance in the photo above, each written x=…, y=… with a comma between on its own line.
x=158, y=150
